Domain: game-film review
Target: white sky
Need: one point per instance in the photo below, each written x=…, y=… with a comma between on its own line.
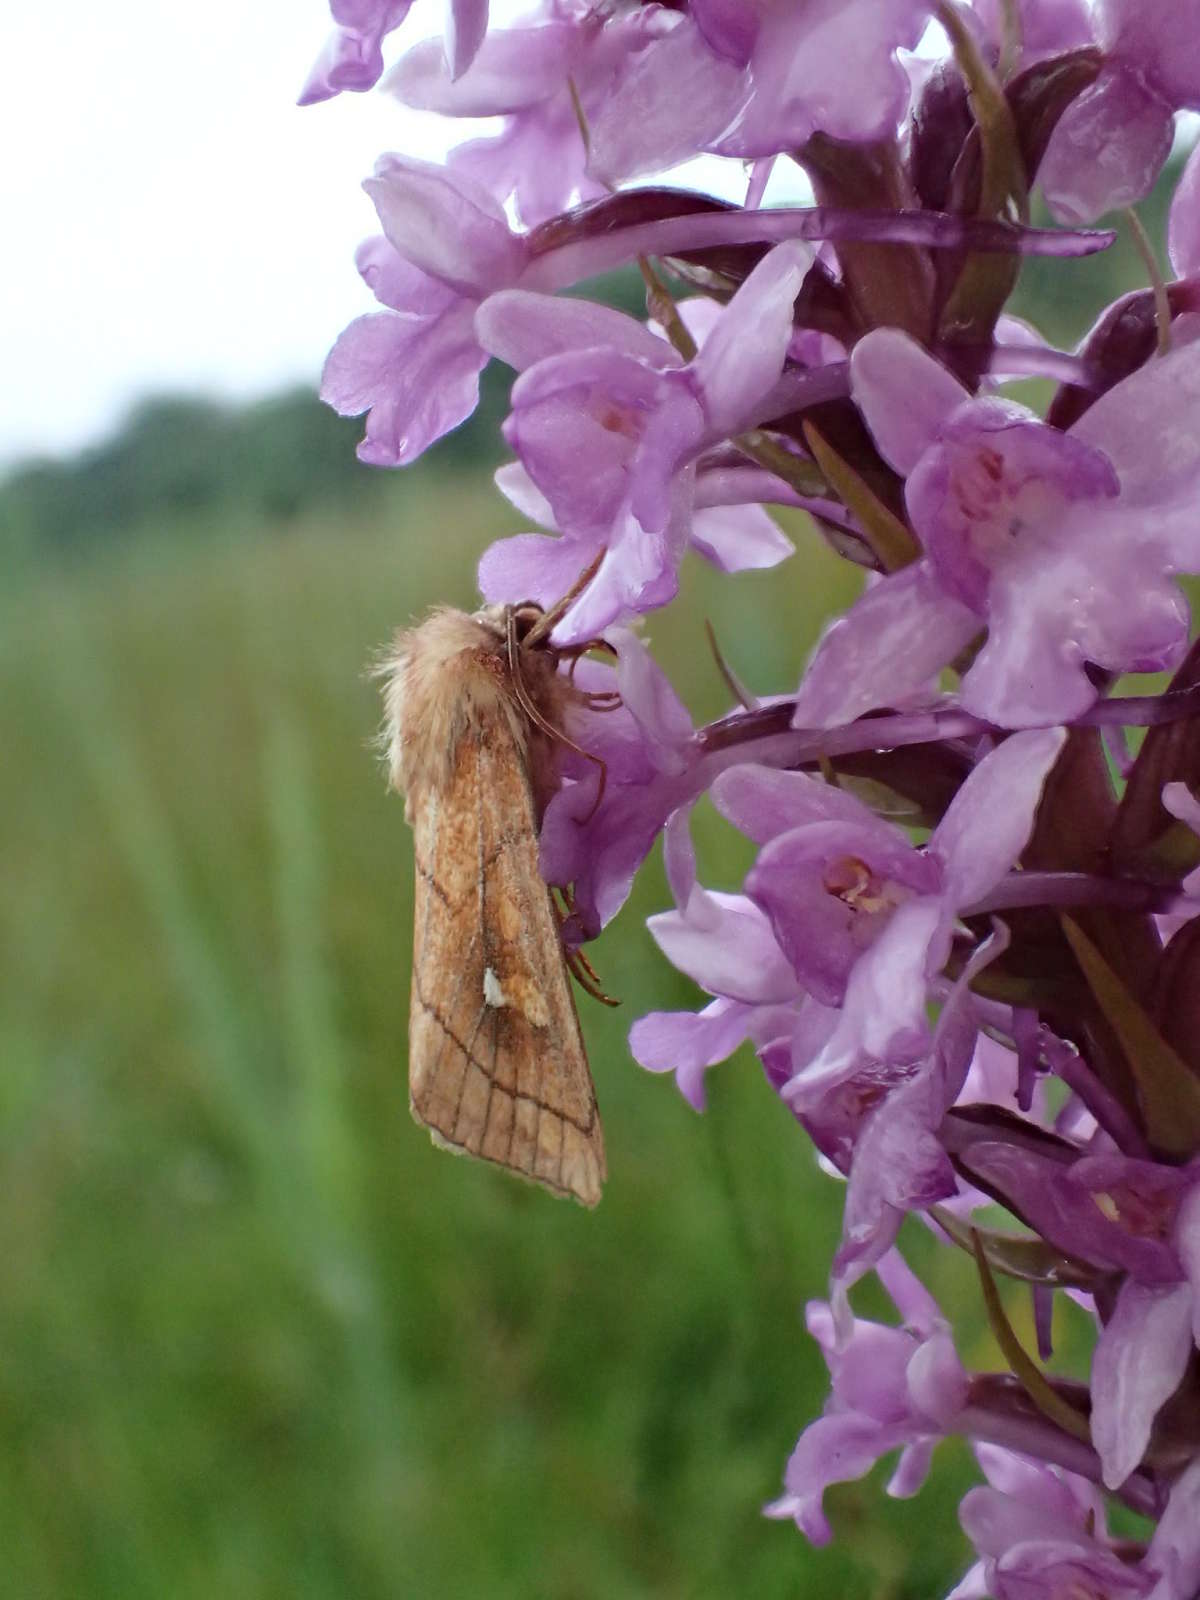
x=174, y=220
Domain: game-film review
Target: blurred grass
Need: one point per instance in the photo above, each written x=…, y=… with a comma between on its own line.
x=260, y=1338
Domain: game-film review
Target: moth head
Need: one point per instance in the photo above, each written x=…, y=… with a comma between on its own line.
x=455, y=672
x=523, y=619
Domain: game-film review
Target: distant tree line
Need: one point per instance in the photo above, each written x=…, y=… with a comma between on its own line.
x=179, y=460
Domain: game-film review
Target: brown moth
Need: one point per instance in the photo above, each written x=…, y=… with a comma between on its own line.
x=497, y=1067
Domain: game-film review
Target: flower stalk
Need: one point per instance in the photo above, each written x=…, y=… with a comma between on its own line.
x=967, y=954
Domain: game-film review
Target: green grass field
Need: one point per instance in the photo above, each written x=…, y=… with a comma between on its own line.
x=261, y=1339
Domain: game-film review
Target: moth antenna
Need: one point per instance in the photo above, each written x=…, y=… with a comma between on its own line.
x=602, y=781
x=573, y=652
x=594, y=698
x=549, y=620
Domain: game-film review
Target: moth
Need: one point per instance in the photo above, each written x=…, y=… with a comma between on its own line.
x=474, y=710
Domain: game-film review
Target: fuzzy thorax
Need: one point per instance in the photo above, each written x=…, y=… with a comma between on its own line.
x=450, y=676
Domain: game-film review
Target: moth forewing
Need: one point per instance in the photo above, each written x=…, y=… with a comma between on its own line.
x=497, y=1067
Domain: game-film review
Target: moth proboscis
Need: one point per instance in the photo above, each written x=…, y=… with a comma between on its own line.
x=497, y=1068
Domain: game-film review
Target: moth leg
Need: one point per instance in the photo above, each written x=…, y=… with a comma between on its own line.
x=586, y=977
x=580, y=968
x=601, y=700
x=539, y=721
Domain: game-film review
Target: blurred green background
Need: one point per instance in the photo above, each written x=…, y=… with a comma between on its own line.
x=258, y=1337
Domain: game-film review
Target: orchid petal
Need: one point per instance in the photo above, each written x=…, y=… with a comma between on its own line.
x=1187, y=1243
x=726, y=946
x=883, y=1015
x=521, y=327
x=674, y=100
x=1183, y=224
x=647, y=694
x=418, y=379
x=513, y=69
x=446, y=224
x=1144, y=425
x=1175, y=1547
x=1121, y=115
x=742, y=358
x=887, y=650
x=466, y=25
x=530, y=566
x=905, y=396
x=989, y=821
x=1139, y=1363
x=739, y=538
x=763, y=802
x=687, y=1043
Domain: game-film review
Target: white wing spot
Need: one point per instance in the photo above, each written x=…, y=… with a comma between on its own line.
x=493, y=994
